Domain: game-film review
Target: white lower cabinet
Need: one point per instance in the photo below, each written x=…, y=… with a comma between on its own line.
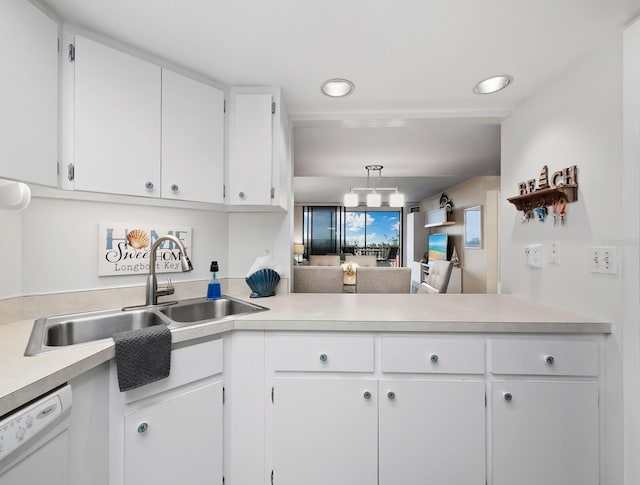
x=325, y=431
x=340, y=427
x=545, y=417
x=176, y=440
x=545, y=432
x=431, y=432
x=171, y=431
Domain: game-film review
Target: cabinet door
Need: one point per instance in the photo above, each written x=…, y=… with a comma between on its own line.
x=182, y=442
x=545, y=432
x=251, y=150
x=28, y=93
x=432, y=432
x=325, y=431
x=192, y=139
x=117, y=121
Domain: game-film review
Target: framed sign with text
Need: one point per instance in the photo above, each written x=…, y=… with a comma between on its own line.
x=124, y=248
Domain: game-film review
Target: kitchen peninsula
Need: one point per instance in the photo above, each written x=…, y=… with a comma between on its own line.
x=460, y=357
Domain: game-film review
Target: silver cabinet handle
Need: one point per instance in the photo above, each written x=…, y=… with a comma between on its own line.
x=366, y=395
x=433, y=358
x=242, y=195
x=507, y=396
x=174, y=187
x=549, y=359
x=148, y=185
x=323, y=357
x=143, y=427
x=391, y=395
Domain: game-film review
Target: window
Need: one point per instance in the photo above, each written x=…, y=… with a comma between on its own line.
x=372, y=232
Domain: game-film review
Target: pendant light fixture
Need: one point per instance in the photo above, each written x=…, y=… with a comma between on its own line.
x=374, y=196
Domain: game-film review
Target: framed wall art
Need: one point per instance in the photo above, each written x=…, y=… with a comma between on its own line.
x=473, y=227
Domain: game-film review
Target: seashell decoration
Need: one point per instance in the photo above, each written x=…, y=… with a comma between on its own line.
x=263, y=283
x=138, y=239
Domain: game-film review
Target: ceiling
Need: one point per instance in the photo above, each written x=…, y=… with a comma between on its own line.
x=414, y=64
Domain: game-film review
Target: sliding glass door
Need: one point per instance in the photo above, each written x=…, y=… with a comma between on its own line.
x=322, y=229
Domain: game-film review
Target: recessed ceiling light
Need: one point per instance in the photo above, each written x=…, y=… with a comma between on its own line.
x=337, y=88
x=493, y=84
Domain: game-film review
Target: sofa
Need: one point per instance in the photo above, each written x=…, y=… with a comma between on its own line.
x=329, y=279
x=317, y=279
x=324, y=260
x=383, y=280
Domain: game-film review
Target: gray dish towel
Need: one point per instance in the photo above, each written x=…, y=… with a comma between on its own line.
x=142, y=356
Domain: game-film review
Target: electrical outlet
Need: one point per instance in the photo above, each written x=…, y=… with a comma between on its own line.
x=603, y=260
x=555, y=252
x=534, y=255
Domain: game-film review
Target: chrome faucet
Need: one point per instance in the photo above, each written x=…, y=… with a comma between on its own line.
x=152, y=292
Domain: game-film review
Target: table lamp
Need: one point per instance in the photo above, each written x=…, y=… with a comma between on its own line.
x=298, y=251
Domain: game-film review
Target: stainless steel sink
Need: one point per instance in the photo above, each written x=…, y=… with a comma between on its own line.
x=57, y=332
x=200, y=309
x=62, y=331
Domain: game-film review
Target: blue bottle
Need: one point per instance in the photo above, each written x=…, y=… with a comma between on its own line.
x=213, y=291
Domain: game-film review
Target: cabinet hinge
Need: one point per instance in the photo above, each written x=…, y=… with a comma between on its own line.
x=273, y=108
x=71, y=172
x=57, y=168
x=273, y=193
x=224, y=391
x=72, y=53
x=273, y=390
x=224, y=106
x=271, y=477
x=224, y=191
x=58, y=44
x=223, y=480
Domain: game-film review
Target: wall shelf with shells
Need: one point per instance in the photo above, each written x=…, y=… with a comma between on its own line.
x=545, y=197
x=547, y=190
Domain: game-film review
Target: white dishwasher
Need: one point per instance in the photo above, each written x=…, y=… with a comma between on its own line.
x=33, y=441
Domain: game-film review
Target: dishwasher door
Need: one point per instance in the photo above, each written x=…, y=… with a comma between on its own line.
x=34, y=441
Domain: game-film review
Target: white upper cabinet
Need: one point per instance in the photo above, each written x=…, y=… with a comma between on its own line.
x=251, y=150
x=29, y=94
x=192, y=139
x=117, y=121
x=258, y=169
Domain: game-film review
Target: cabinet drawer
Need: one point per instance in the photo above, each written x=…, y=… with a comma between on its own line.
x=310, y=353
x=544, y=357
x=432, y=355
x=188, y=364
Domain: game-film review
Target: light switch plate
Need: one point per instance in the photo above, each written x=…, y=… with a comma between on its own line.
x=534, y=255
x=603, y=260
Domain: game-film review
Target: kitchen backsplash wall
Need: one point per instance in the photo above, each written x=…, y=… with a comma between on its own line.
x=52, y=246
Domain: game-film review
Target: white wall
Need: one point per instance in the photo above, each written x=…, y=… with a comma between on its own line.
x=576, y=120
x=631, y=239
x=11, y=249
x=253, y=235
x=56, y=244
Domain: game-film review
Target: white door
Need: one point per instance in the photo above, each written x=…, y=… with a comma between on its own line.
x=432, y=432
x=117, y=121
x=325, y=431
x=177, y=440
x=28, y=94
x=192, y=139
x=545, y=432
x=251, y=150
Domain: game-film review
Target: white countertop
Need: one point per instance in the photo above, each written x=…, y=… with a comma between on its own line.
x=25, y=378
